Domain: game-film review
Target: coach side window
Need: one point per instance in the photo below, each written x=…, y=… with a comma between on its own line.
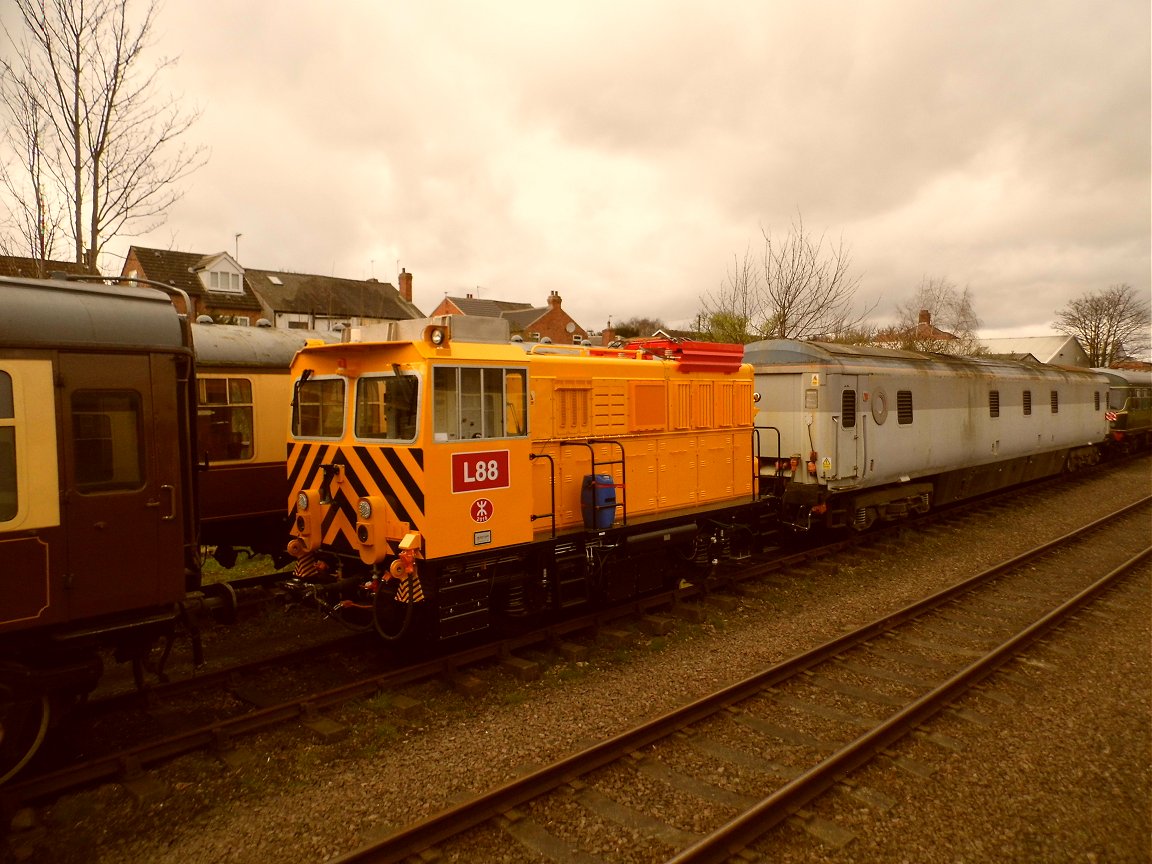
x=106, y=440
x=8, y=500
x=478, y=402
x=224, y=418
x=318, y=408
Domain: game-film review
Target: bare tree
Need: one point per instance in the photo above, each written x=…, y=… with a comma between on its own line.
x=107, y=143
x=1111, y=324
x=939, y=318
x=799, y=287
x=34, y=216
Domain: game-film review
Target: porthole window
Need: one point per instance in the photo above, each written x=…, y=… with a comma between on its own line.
x=879, y=406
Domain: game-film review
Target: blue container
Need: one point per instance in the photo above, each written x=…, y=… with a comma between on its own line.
x=598, y=501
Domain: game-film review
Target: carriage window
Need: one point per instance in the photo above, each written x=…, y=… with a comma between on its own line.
x=318, y=409
x=9, y=503
x=1027, y=403
x=848, y=409
x=903, y=407
x=106, y=440
x=386, y=407
x=993, y=403
x=224, y=418
x=478, y=403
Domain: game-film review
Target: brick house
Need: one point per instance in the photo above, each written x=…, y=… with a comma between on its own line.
x=532, y=323
x=217, y=285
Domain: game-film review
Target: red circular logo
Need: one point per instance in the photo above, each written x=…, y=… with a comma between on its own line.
x=481, y=510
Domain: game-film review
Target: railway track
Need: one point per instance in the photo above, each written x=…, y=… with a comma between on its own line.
x=758, y=751
x=263, y=710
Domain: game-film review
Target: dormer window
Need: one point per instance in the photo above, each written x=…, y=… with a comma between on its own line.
x=224, y=282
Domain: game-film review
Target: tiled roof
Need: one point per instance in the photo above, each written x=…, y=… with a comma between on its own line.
x=179, y=270
x=1046, y=349
x=11, y=265
x=523, y=317
x=330, y=295
x=487, y=308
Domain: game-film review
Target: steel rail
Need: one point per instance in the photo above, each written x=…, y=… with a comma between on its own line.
x=754, y=823
x=455, y=820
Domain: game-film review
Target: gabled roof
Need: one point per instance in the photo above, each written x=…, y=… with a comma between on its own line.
x=523, y=318
x=488, y=308
x=180, y=269
x=330, y=295
x=1059, y=349
x=11, y=265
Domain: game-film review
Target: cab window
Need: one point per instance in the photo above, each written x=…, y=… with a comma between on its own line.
x=478, y=402
x=106, y=440
x=318, y=409
x=224, y=418
x=9, y=503
x=387, y=407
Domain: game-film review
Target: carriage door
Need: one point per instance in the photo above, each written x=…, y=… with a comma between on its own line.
x=120, y=480
x=848, y=440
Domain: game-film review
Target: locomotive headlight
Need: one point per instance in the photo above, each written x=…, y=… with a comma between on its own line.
x=364, y=508
x=302, y=502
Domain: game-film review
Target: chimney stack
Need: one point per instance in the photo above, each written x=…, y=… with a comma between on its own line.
x=554, y=299
x=406, y=285
x=925, y=316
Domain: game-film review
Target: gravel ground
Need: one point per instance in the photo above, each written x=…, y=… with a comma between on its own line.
x=1068, y=779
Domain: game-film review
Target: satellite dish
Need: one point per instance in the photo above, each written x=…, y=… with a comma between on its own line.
x=570, y=326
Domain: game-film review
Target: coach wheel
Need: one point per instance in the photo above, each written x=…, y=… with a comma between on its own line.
x=23, y=725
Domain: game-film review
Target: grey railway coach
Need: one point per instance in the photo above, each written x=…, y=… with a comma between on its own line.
x=851, y=434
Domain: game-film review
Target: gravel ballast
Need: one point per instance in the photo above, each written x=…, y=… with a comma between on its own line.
x=1063, y=775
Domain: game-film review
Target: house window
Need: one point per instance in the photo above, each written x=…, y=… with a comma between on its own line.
x=903, y=407
x=223, y=282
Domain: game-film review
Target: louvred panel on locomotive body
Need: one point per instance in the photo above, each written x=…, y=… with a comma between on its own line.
x=464, y=447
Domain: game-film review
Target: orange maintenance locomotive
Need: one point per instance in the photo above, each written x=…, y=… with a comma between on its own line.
x=457, y=479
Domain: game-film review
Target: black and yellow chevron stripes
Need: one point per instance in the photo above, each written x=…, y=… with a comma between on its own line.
x=396, y=475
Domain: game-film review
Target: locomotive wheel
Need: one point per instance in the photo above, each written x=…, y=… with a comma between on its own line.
x=23, y=725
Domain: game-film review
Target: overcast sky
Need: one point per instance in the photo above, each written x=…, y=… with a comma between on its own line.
x=625, y=153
